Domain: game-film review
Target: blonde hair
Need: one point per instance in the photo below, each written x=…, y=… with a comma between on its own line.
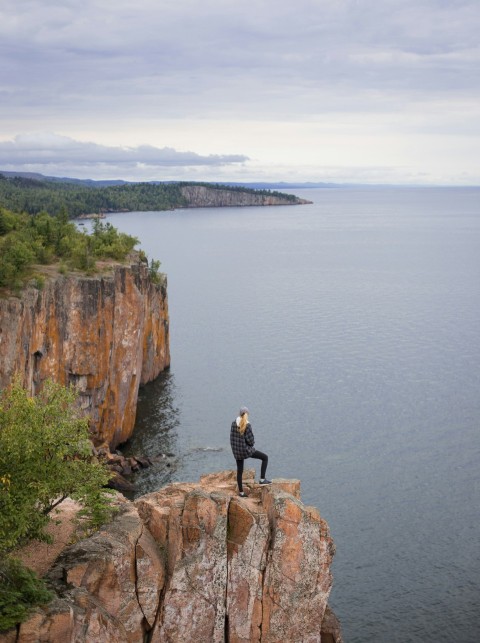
x=243, y=423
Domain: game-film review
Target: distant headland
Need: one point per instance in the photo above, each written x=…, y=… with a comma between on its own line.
x=34, y=193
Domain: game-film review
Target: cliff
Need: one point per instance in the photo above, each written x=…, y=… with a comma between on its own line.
x=194, y=562
x=106, y=335
x=202, y=196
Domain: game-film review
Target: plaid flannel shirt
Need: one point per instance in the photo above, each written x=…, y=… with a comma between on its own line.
x=242, y=445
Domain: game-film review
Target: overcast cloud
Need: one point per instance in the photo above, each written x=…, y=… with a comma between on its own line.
x=386, y=90
x=50, y=151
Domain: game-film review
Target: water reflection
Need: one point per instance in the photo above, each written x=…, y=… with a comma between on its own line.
x=155, y=433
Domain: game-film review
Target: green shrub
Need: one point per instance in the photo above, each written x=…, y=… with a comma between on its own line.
x=45, y=456
x=39, y=282
x=7, y=221
x=20, y=590
x=15, y=256
x=153, y=271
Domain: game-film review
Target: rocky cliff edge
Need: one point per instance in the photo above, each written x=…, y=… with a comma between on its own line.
x=203, y=196
x=105, y=334
x=194, y=562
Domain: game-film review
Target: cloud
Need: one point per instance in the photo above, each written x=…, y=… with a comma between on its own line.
x=221, y=57
x=128, y=73
x=46, y=150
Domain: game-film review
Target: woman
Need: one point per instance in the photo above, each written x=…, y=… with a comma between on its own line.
x=243, y=446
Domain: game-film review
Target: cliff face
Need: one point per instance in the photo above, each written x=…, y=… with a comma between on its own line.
x=201, y=196
x=106, y=335
x=194, y=562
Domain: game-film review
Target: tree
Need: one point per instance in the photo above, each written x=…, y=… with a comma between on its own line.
x=7, y=221
x=45, y=456
x=153, y=270
x=20, y=590
x=15, y=256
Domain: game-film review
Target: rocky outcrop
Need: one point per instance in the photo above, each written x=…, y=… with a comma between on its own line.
x=194, y=562
x=202, y=196
x=106, y=335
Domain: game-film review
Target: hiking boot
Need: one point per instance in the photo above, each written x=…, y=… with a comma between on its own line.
x=242, y=494
x=265, y=481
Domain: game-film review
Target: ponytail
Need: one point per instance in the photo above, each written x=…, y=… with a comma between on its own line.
x=243, y=423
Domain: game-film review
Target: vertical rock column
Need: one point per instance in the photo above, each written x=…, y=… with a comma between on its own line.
x=248, y=541
x=279, y=556
x=191, y=526
x=297, y=578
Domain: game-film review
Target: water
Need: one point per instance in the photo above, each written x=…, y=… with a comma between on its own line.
x=350, y=328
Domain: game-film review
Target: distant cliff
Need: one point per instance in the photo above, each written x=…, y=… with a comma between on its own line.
x=86, y=197
x=203, y=196
x=194, y=562
x=106, y=335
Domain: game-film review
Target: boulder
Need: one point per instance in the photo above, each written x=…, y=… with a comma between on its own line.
x=118, y=482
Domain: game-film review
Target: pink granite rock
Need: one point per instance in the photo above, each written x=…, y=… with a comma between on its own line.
x=195, y=562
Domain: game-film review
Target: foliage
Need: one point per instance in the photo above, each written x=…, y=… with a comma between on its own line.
x=45, y=456
x=108, y=242
x=33, y=196
x=16, y=255
x=7, y=221
x=20, y=590
x=43, y=239
x=153, y=271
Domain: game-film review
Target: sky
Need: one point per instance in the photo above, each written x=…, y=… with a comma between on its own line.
x=362, y=91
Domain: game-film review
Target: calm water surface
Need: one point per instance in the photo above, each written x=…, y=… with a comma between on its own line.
x=350, y=328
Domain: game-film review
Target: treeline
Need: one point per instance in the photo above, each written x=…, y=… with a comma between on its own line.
x=33, y=196
x=26, y=240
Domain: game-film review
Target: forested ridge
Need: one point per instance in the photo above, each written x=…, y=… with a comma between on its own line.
x=33, y=196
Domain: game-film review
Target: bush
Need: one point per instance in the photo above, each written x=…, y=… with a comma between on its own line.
x=81, y=256
x=108, y=242
x=7, y=221
x=38, y=282
x=153, y=271
x=15, y=256
x=20, y=590
x=45, y=456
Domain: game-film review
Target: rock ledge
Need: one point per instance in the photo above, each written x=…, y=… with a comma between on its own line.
x=194, y=562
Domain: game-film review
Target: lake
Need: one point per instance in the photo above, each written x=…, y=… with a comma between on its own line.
x=350, y=328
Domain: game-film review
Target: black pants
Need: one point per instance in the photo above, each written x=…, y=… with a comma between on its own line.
x=258, y=455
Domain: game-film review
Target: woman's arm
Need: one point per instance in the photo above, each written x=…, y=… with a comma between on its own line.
x=249, y=438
